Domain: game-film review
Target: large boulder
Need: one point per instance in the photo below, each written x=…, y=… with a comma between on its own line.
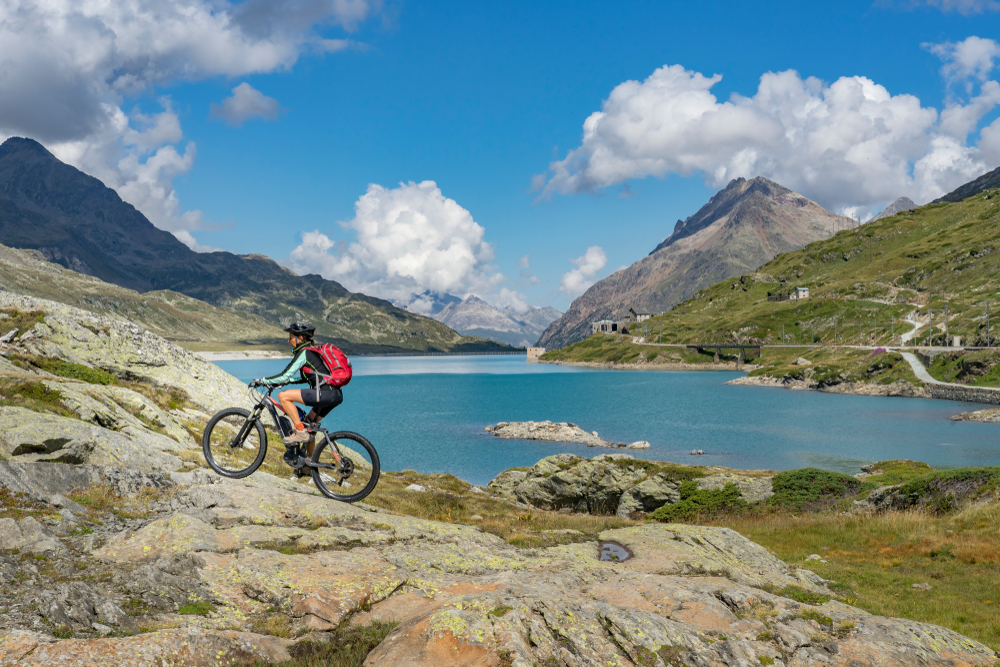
x=649, y=495
x=752, y=489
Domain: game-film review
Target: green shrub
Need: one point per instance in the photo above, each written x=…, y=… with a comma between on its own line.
x=810, y=487
x=696, y=503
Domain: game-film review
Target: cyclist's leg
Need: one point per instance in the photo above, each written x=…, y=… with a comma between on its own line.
x=322, y=402
x=288, y=398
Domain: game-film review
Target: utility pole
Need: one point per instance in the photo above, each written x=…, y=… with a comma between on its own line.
x=876, y=328
x=782, y=334
x=930, y=326
x=947, y=335
x=835, y=332
x=989, y=343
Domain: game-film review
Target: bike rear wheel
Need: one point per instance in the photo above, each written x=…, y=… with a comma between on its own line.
x=348, y=466
x=234, y=443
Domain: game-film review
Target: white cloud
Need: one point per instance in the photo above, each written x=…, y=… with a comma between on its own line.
x=67, y=65
x=965, y=7
x=245, y=103
x=849, y=143
x=575, y=282
x=513, y=300
x=972, y=58
x=410, y=239
x=525, y=276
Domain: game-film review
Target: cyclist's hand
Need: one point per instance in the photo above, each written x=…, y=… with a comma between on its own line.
x=254, y=383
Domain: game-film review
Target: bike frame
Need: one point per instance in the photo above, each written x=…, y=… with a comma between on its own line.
x=273, y=407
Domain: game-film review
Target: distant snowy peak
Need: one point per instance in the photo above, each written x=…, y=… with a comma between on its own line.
x=479, y=318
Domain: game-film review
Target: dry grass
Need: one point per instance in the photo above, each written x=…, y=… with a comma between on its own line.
x=450, y=499
x=876, y=559
x=101, y=498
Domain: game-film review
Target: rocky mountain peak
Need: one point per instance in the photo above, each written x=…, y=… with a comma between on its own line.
x=746, y=224
x=737, y=192
x=901, y=204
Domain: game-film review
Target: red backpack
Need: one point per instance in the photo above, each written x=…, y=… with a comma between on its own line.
x=336, y=362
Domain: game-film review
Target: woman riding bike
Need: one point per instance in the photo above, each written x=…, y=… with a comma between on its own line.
x=308, y=365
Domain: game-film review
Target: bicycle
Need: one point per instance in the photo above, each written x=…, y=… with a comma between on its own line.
x=235, y=443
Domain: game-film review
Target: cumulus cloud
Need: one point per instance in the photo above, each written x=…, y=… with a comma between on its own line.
x=512, y=300
x=410, y=239
x=245, y=103
x=66, y=67
x=849, y=143
x=575, y=282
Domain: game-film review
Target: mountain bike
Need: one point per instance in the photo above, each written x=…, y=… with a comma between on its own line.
x=344, y=465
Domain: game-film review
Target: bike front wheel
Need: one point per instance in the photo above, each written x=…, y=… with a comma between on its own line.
x=234, y=443
x=344, y=466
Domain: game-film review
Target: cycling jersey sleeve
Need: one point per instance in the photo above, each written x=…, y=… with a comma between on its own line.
x=287, y=375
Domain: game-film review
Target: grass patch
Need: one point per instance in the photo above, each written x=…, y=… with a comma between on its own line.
x=14, y=505
x=197, y=609
x=66, y=369
x=347, y=648
x=876, y=559
x=22, y=320
x=33, y=396
x=101, y=499
x=888, y=473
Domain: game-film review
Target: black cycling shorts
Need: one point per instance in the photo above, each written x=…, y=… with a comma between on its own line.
x=322, y=400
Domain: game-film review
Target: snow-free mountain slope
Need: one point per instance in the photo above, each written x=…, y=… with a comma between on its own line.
x=741, y=227
x=901, y=204
x=75, y=221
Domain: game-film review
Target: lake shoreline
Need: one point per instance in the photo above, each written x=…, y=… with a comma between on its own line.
x=674, y=367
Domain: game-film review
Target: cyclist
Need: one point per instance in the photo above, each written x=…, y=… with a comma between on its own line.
x=321, y=397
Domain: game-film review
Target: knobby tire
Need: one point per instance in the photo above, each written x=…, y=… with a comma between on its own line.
x=247, y=429
x=356, y=441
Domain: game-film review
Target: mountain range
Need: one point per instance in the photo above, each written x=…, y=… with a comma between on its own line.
x=475, y=317
x=74, y=220
x=746, y=224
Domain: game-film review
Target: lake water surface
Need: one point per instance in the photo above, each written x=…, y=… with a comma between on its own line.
x=428, y=414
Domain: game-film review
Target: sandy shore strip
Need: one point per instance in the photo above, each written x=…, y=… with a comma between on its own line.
x=676, y=366
x=240, y=355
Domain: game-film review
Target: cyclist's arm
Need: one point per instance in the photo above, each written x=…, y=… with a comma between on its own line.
x=289, y=374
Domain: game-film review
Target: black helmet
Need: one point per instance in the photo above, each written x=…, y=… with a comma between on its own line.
x=300, y=329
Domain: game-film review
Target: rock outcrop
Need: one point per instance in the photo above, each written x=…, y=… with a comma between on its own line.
x=688, y=595
x=614, y=484
x=123, y=349
x=556, y=432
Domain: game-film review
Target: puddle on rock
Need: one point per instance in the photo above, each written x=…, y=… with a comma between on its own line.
x=614, y=552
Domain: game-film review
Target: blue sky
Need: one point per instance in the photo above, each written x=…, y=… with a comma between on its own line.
x=480, y=98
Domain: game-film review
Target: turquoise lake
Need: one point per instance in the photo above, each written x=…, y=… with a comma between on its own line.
x=428, y=414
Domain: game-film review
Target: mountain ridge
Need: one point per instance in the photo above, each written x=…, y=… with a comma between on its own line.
x=742, y=226
x=74, y=220
x=475, y=316
x=987, y=181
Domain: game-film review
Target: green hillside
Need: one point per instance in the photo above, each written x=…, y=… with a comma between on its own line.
x=861, y=281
